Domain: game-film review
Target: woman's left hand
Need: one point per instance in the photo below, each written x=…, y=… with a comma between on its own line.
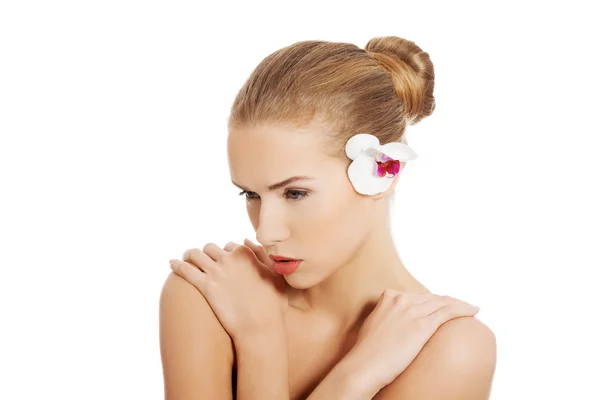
x=237, y=282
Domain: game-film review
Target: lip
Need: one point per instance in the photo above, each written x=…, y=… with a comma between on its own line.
x=282, y=258
x=286, y=267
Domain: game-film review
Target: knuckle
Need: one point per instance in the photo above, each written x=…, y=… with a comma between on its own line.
x=399, y=301
x=240, y=251
x=237, y=254
x=189, y=254
x=231, y=246
x=442, y=297
x=179, y=267
x=247, y=251
x=174, y=266
x=448, y=298
x=389, y=293
x=405, y=300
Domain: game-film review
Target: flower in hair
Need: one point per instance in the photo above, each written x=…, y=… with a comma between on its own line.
x=374, y=166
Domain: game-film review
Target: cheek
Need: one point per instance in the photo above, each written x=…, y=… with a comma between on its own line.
x=334, y=230
x=252, y=214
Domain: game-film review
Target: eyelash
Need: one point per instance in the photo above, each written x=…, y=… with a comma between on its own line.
x=304, y=194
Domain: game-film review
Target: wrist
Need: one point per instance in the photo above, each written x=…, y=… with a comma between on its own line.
x=262, y=364
x=360, y=375
x=270, y=336
x=348, y=380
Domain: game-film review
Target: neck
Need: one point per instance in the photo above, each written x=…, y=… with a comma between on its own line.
x=350, y=294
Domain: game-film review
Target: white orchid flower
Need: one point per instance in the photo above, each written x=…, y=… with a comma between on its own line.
x=375, y=165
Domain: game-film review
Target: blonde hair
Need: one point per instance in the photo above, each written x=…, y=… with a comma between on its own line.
x=378, y=90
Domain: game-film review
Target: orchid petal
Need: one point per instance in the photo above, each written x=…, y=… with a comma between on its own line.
x=385, y=158
x=362, y=172
x=359, y=143
x=398, y=151
x=374, y=166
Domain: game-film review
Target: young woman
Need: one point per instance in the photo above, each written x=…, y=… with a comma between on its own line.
x=316, y=144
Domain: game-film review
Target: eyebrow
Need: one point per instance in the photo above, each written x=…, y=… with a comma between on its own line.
x=281, y=184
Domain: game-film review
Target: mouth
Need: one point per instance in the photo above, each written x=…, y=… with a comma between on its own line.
x=282, y=258
x=284, y=265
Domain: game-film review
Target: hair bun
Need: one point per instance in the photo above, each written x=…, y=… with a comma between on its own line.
x=411, y=70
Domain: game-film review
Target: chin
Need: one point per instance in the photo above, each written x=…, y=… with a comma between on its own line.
x=301, y=281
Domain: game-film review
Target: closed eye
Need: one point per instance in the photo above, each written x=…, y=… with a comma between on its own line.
x=296, y=195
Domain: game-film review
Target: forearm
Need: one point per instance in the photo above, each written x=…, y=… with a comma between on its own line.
x=262, y=366
x=348, y=380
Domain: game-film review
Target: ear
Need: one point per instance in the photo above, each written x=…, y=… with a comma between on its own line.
x=389, y=190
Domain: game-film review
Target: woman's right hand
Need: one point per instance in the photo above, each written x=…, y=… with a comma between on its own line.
x=394, y=333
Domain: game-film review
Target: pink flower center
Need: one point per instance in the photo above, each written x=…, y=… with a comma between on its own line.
x=387, y=165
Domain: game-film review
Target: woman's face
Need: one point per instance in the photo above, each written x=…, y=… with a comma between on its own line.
x=321, y=220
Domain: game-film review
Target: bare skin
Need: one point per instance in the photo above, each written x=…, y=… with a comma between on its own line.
x=343, y=237
x=348, y=260
x=345, y=231
x=317, y=343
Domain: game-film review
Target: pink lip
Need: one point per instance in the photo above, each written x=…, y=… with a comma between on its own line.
x=280, y=258
x=286, y=267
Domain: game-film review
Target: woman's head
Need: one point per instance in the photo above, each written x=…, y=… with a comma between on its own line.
x=293, y=117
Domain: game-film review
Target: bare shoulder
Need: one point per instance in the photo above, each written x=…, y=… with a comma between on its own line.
x=196, y=352
x=458, y=362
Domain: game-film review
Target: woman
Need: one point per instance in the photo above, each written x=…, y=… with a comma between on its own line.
x=316, y=144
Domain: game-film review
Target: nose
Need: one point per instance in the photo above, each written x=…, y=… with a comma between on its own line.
x=272, y=227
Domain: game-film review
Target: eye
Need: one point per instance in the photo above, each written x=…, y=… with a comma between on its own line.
x=299, y=194
x=247, y=194
x=295, y=195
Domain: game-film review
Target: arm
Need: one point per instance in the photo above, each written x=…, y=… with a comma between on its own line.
x=266, y=365
x=196, y=352
x=347, y=381
x=458, y=363
x=262, y=364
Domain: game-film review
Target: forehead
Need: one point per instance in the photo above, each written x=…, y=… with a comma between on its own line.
x=260, y=156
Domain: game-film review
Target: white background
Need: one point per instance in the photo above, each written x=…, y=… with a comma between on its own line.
x=112, y=161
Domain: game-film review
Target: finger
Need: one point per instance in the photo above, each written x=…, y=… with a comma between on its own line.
x=426, y=298
x=429, y=306
x=418, y=304
x=260, y=252
x=386, y=299
x=230, y=246
x=200, y=259
x=451, y=311
x=401, y=297
x=432, y=302
x=213, y=251
x=190, y=273
x=266, y=263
